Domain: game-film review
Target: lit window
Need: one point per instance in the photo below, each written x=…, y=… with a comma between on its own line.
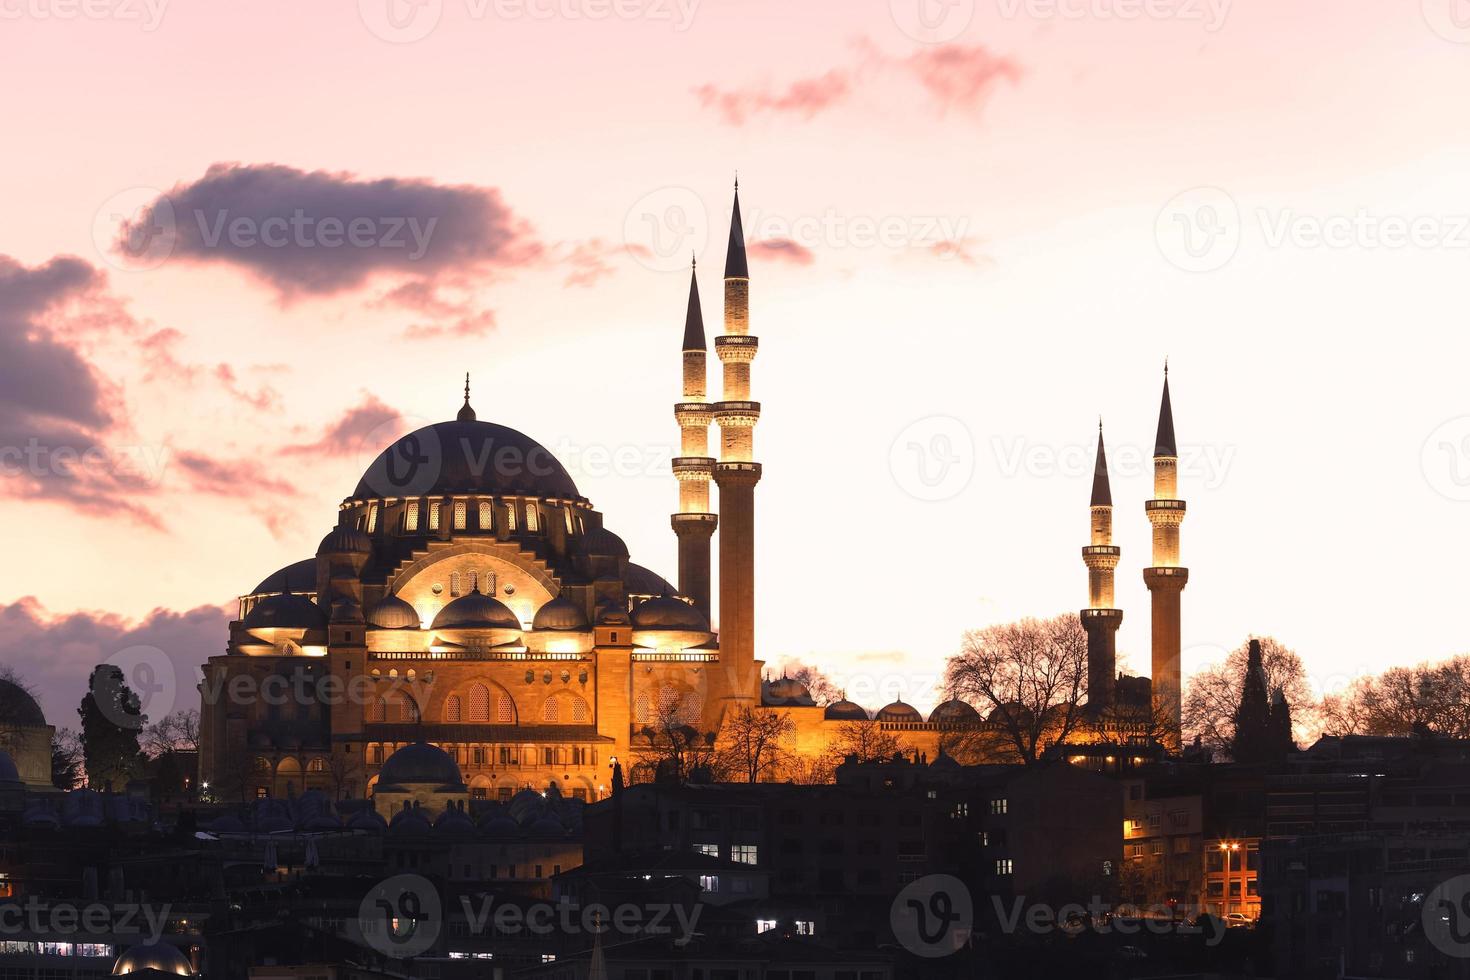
x=479, y=703
x=764, y=925
x=454, y=583
x=805, y=928
x=411, y=516
x=998, y=807
x=1003, y=866
x=434, y=507
x=533, y=518
x=708, y=850
x=570, y=526
x=453, y=708
x=487, y=519
x=709, y=883
x=510, y=515
x=744, y=854
x=505, y=709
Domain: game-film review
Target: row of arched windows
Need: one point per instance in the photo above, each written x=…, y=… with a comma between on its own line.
x=477, y=704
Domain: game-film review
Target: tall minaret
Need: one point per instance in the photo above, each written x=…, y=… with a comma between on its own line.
x=737, y=473
x=1166, y=579
x=1101, y=618
x=694, y=524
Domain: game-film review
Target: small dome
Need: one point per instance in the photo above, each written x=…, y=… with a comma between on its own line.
x=297, y=577
x=638, y=580
x=786, y=690
x=955, y=712
x=321, y=821
x=367, y=819
x=560, y=613
x=898, y=711
x=409, y=822
x=420, y=763
x=153, y=956
x=845, y=710
x=601, y=541
x=17, y=706
x=476, y=611
x=345, y=540
x=230, y=823
x=500, y=825
x=285, y=611
x=547, y=826
x=612, y=614
x=8, y=772
x=667, y=613
x=393, y=613
x=346, y=611
x=454, y=821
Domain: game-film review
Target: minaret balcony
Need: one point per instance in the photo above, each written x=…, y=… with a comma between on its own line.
x=692, y=415
x=737, y=415
x=736, y=347
x=1163, y=513
x=1111, y=617
x=693, y=467
x=1101, y=556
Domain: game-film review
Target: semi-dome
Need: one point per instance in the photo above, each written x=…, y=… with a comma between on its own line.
x=17, y=706
x=476, y=610
x=954, y=712
x=420, y=763
x=297, y=577
x=393, y=613
x=344, y=539
x=286, y=611
x=465, y=456
x=601, y=541
x=560, y=613
x=845, y=710
x=898, y=711
x=638, y=580
x=664, y=612
x=153, y=956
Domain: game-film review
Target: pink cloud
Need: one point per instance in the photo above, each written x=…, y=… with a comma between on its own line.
x=780, y=250
x=805, y=97
x=370, y=424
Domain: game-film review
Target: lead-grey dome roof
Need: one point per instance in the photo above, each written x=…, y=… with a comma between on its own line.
x=476, y=611
x=393, y=613
x=17, y=707
x=465, y=456
x=560, y=613
x=297, y=577
x=420, y=762
x=285, y=611
x=668, y=613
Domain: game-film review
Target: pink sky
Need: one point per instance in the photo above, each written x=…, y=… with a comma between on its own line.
x=975, y=234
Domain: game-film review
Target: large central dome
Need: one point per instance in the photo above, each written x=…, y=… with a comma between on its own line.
x=465, y=456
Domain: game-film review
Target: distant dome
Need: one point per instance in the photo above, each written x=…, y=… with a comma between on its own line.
x=343, y=539
x=393, y=613
x=465, y=456
x=454, y=821
x=8, y=772
x=367, y=819
x=500, y=825
x=667, y=613
x=845, y=710
x=17, y=707
x=898, y=711
x=476, y=611
x=787, y=691
x=285, y=611
x=409, y=822
x=297, y=577
x=153, y=956
x=547, y=826
x=601, y=541
x=420, y=763
x=560, y=613
x=954, y=712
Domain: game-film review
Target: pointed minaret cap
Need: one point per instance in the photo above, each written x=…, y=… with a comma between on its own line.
x=1164, y=441
x=466, y=414
x=1102, y=491
x=694, y=319
x=735, y=266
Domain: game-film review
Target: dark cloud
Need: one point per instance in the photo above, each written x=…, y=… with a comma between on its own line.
x=162, y=653
x=319, y=233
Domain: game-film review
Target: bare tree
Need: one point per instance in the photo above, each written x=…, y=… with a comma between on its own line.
x=864, y=739
x=755, y=742
x=345, y=770
x=174, y=732
x=1429, y=697
x=672, y=746
x=1212, y=695
x=1029, y=675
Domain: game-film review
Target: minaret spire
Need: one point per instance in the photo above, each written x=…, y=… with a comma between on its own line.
x=1101, y=618
x=466, y=413
x=1166, y=578
x=694, y=523
x=736, y=474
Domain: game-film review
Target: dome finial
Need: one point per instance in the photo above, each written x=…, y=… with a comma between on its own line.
x=466, y=413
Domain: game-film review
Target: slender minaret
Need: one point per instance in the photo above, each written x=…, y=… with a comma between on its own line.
x=1166, y=579
x=1101, y=618
x=737, y=473
x=694, y=524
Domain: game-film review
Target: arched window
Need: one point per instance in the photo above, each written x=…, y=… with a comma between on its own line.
x=378, y=710
x=372, y=527
x=571, y=527
x=262, y=766
x=408, y=709
x=411, y=516
x=479, y=703
x=551, y=710
x=459, y=515
x=510, y=515
x=565, y=708
x=533, y=518
x=434, y=506
x=505, y=709
x=487, y=516
x=453, y=708
x=454, y=583
x=317, y=764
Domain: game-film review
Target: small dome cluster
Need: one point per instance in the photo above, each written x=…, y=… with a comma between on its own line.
x=560, y=613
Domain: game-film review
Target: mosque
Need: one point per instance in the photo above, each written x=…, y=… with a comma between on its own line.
x=471, y=628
